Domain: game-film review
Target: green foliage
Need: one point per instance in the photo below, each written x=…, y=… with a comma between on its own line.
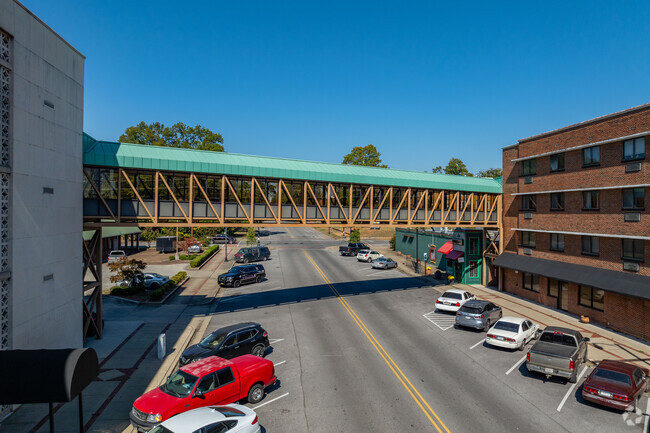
x=183, y=257
x=148, y=234
x=457, y=167
x=367, y=156
x=177, y=135
x=392, y=242
x=355, y=236
x=157, y=294
x=251, y=239
x=125, y=291
x=199, y=260
x=490, y=172
x=437, y=169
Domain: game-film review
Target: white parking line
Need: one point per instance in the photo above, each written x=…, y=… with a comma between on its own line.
x=270, y=401
x=442, y=321
x=276, y=340
x=647, y=417
x=279, y=363
x=570, y=391
x=516, y=365
x=480, y=342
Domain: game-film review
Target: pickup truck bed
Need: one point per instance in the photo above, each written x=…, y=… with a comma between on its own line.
x=559, y=352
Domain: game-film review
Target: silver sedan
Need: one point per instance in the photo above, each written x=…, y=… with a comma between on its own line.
x=384, y=263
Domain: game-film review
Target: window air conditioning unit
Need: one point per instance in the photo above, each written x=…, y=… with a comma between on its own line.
x=633, y=217
x=529, y=179
x=628, y=266
x=528, y=251
x=632, y=167
x=528, y=216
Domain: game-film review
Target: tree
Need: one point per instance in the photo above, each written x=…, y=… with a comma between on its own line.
x=251, y=239
x=457, y=167
x=368, y=156
x=178, y=135
x=127, y=270
x=186, y=243
x=355, y=236
x=490, y=172
x=437, y=169
x=148, y=235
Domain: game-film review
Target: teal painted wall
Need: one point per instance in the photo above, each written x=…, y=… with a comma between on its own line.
x=406, y=243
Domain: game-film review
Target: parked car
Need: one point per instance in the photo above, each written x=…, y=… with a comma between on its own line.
x=149, y=280
x=252, y=254
x=478, y=314
x=194, y=249
x=244, y=274
x=229, y=342
x=616, y=384
x=353, y=248
x=210, y=381
x=231, y=418
x=558, y=352
x=384, y=263
x=368, y=255
x=512, y=333
x=222, y=239
x=453, y=299
x=116, y=255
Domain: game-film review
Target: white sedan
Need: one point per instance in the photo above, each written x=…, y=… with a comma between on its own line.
x=231, y=418
x=368, y=255
x=453, y=299
x=512, y=333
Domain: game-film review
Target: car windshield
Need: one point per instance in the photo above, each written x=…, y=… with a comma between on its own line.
x=160, y=429
x=612, y=376
x=452, y=295
x=381, y=259
x=212, y=341
x=559, y=338
x=471, y=310
x=507, y=326
x=180, y=384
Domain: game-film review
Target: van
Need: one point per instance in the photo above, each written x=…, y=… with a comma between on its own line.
x=252, y=254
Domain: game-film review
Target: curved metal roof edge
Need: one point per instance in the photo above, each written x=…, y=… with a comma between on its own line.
x=131, y=155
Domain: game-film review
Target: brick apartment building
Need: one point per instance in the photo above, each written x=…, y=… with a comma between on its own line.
x=576, y=224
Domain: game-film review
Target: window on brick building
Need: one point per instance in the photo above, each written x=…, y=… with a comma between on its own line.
x=591, y=156
x=557, y=201
x=633, y=249
x=633, y=198
x=530, y=282
x=557, y=162
x=557, y=241
x=634, y=149
x=592, y=298
x=528, y=202
x=528, y=167
x=553, y=287
x=528, y=239
x=590, y=245
x=590, y=200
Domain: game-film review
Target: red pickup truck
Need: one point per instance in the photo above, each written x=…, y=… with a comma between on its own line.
x=210, y=381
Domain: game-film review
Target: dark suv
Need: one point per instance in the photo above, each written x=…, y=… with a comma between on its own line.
x=252, y=254
x=229, y=342
x=238, y=275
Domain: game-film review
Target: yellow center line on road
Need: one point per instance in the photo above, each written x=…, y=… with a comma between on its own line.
x=406, y=383
x=290, y=234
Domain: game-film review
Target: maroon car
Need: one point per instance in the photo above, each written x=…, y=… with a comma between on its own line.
x=616, y=384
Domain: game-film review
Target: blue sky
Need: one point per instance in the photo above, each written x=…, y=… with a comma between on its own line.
x=422, y=81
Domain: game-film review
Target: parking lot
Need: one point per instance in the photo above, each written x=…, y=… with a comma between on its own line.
x=360, y=349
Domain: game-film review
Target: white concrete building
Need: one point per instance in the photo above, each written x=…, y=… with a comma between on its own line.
x=41, y=124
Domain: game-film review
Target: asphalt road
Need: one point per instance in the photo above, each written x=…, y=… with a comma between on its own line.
x=355, y=353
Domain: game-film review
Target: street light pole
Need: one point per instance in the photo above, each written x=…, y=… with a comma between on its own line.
x=225, y=232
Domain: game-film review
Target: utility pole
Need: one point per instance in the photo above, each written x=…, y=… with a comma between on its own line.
x=177, y=257
x=225, y=245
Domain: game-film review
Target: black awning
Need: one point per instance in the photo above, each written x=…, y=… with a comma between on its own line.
x=612, y=281
x=44, y=376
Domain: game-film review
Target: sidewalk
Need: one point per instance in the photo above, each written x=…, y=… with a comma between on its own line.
x=605, y=343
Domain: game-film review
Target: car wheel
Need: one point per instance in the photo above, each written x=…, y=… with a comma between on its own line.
x=154, y=286
x=522, y=345
x=256, y=393
x=245, y=260
x=258, y=279
x=258, y=350
x=369, y=259
x=537, y=334
x=487, y=325
x=236, y=283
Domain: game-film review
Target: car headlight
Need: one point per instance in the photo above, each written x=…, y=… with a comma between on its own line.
x=155, y=417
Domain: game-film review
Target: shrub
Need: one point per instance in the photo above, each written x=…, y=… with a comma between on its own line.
x=125, y=291
x=392, y=242
x=157, y=294
x=179, y=277
x=355, y=236
x=198, y=261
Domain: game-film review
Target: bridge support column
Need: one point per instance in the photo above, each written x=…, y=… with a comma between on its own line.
x=92, y=287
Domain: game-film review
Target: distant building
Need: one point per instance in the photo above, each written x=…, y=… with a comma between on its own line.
x=576, y=224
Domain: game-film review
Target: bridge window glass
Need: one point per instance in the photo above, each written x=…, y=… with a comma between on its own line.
x=108, y=183
x=634, y=149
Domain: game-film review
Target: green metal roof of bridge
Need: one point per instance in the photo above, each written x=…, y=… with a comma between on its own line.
x=145, y=157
